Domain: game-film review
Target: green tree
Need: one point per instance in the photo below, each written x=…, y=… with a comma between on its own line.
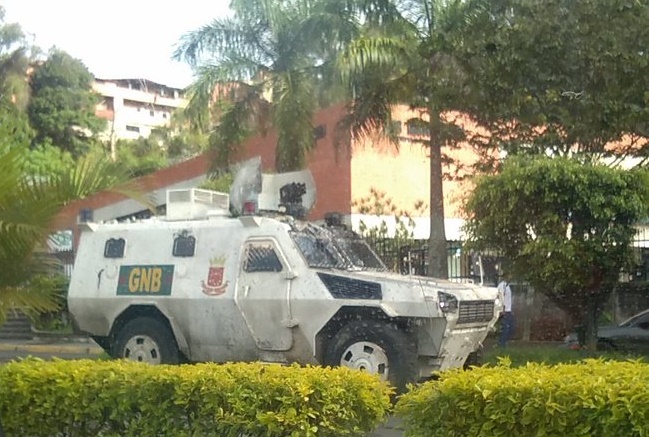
x=267, y=66
x=14, y=89
x=142, y=156
x=29, y=205
x=62, y=106
x=221, y=182
x=564, y=227
x=560, y=77
x=47, y=160
x=406, y=56
x=14, y=125
x=14, y=61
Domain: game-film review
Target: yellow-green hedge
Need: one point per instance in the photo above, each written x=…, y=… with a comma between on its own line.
x=121, y=398
x=592, y=399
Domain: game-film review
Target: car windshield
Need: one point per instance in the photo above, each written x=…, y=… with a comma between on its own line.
x=634, y=319
x=336, y=249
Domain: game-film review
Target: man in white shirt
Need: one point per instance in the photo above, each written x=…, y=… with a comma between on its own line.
x=507, y=318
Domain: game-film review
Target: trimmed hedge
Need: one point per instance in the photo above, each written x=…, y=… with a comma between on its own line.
x=125, y=398
x=593, y=398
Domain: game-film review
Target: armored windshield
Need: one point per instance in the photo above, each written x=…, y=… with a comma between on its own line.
x=335, y=248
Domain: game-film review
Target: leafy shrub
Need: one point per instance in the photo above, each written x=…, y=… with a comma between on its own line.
x=593, y=398
x=55, y=285
x=124, y=398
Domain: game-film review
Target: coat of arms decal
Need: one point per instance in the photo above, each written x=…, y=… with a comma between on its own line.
x=215, y=285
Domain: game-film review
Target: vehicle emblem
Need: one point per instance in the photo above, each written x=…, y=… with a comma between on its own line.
x=215, y=285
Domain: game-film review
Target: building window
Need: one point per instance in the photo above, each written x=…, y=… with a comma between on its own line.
x=261, y=259
x=133, y=129
x=114, y=248
x=164, y=115
x=152, y=113
x=319, y=132
x=418, y=128
x=184, y=245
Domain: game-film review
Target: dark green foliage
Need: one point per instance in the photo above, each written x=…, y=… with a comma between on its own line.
x=62, y=106
x=564, y=227
x=561, y=77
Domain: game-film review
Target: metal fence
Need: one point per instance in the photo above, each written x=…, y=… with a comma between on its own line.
x=412, y=258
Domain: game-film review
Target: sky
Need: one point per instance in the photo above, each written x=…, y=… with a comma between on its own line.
x=117, y=38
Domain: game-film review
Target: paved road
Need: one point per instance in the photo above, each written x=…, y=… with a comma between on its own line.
x=10, y=350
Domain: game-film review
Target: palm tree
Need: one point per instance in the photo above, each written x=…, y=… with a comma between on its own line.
x=408, y=59
x=29, y=205
x=270, y=65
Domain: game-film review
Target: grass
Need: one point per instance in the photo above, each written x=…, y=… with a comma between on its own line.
x=521, y=354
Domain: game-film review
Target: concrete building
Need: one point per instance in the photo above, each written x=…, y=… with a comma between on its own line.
x=134, y=107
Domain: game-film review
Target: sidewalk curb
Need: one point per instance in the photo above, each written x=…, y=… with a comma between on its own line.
x=51, y=349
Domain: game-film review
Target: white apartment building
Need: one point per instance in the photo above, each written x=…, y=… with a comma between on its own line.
x=134, y=107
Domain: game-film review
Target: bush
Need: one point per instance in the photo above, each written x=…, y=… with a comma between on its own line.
x=592, y=398
x=124, y=398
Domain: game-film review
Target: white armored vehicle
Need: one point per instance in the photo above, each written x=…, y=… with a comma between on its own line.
x=202, y=285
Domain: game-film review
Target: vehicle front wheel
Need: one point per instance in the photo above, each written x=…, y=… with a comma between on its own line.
x=376, y=348
x=148, y=340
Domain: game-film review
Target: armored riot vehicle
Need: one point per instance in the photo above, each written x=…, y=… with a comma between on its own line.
x=202, y=284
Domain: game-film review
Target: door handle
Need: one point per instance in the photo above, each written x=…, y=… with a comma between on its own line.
x=246, y=290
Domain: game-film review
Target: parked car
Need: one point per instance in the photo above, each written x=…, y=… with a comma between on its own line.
x=632, y=335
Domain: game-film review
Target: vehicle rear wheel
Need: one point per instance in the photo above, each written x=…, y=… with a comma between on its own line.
x=148, y=340
x=607, y=345
x=376, y=348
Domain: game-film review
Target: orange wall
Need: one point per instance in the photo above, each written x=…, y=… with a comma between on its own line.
x=402, y=172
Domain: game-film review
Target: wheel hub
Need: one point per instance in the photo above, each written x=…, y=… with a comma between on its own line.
x=367, y=357
x=142, y=348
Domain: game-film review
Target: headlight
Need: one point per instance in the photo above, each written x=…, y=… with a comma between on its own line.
x=447, y=302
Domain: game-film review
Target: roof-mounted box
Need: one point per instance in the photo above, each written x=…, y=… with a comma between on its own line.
x=195, y=203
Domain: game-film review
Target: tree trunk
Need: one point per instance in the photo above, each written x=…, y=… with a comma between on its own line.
x=437, y=247
x=2, y=431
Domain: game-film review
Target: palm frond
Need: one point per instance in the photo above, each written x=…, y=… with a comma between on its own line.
x=27, y=299
x=220, y=39
x=219, y=82
x=293, y=117
x=29, y=205
x=370, y=52
x=237, y=119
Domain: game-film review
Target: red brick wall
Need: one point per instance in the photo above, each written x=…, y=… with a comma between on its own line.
x=330, y=167
x=331, y=172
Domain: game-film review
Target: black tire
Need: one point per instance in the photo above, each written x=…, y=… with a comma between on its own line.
x=396, y=345
x=152, y=342
x=473, y=360
x=606, y=345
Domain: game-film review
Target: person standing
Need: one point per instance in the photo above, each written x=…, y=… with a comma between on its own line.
x=507, y=318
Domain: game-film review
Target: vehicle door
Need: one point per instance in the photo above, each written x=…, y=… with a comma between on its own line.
x=640, y=337
x=264, y=292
